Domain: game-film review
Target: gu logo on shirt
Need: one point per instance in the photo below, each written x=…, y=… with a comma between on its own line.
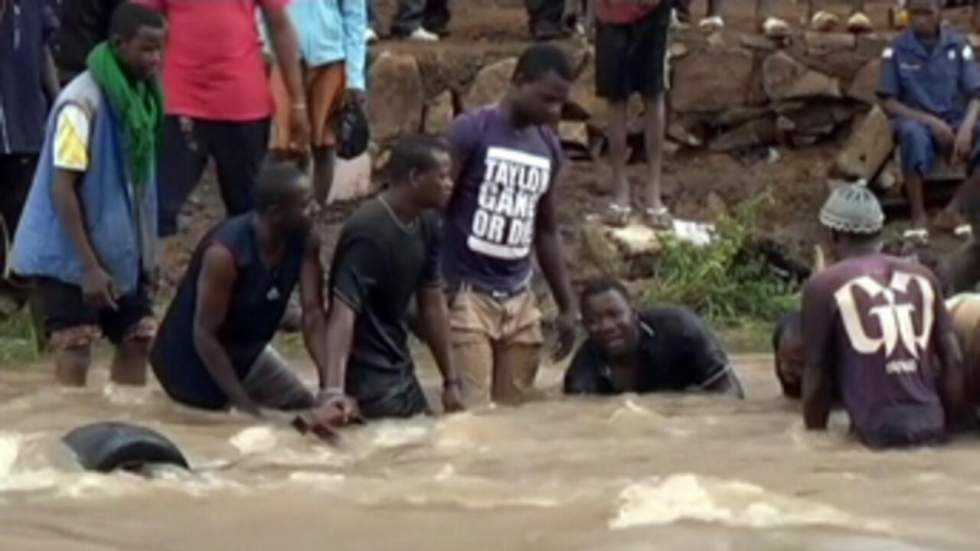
x=896, y=319
x=503, y=224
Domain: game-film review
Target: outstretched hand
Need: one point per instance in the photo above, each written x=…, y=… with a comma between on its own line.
x=566, y=325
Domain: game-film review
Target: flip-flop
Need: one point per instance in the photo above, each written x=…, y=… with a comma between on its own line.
x=916, y=235
x=659, y=218
x=964, y=231
x=711, y=24
x=616, y=215
x=859, y=23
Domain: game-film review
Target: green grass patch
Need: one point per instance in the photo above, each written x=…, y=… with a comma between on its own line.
x=17, y=340
x=727, y=282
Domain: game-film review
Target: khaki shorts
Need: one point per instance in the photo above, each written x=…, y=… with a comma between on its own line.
x=325, y=89
x=496, y=345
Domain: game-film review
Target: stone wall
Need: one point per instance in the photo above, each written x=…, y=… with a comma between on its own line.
x=730, y=91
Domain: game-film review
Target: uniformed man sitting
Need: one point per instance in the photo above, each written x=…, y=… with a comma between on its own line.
x=929, y=86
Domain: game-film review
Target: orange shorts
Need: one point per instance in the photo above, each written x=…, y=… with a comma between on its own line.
x=325, y=88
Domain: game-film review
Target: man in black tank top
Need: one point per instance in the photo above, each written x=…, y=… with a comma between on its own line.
x=212, y=350
x=389, y=252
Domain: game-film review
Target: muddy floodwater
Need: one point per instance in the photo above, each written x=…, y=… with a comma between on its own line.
x=628, y=473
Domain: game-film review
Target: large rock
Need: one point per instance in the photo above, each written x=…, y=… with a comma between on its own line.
x=712, y=79
x=599, y=252
x=821, y=43
x=760, y=131
x=868, y=147
x=785, y=78
x=396, y=96
x=439, y=113
x=491, y=84
x=865, y=83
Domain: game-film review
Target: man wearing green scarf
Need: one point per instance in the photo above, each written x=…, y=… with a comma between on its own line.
x=88, y=229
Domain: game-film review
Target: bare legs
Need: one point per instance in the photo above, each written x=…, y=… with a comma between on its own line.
x=324, y=160
x=128, y=365
x=654, y=127
x=617, y=152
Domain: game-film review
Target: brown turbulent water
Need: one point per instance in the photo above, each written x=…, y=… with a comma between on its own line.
x=628, y=473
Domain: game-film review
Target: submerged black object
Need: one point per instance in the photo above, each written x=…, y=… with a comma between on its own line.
x=108, y=446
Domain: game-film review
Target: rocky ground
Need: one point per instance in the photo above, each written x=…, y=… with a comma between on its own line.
x=749, y=117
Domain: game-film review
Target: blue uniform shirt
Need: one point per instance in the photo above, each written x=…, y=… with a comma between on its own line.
x=940, y=83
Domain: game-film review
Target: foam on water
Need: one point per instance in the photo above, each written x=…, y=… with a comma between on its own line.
x=666, y=500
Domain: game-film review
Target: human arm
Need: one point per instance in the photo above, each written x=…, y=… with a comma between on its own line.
x=817, y=381
x=214, y=294
x=952, y=376
x=547, y=243
x=356, y=269
x=434, y=321
x=969, y=85
x=285, y=45
x=710, y=368
x=311, y=300
x=354, y=14
x=97, y=285
x=582, y=376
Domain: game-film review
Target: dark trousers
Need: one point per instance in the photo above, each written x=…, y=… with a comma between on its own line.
x=16, y=175
x=545, y=16
x=433, y=15
x=238, y=149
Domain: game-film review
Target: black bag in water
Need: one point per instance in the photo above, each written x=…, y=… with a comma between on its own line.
x=353, y=132
x=105, y=447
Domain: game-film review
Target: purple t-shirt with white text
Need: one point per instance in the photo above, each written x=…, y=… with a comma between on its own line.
x=877, y=322
x=489, y=224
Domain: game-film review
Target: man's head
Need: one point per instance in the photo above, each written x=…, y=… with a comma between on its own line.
x=541, y=84
x=422, y=164
x=283, y=196
x=925, y=17
x=854, y=217
x=138, y=34
x=609, y=317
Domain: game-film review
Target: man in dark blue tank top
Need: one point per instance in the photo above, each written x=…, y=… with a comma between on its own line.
x=388, y=252
x=212, y=350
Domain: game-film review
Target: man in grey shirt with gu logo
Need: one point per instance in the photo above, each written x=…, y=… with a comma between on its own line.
x=878, y=326
x=506, y=165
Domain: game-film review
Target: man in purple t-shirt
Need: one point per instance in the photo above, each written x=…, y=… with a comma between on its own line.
x=878, y=324
x=506, y=162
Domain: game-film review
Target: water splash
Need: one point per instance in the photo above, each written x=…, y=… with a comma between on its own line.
x=659, y=501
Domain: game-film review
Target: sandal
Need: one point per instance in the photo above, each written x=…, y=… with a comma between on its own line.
x=916, y=235
x=617, y=216
x=659, y=218
x=963, y=230
x=711, y=24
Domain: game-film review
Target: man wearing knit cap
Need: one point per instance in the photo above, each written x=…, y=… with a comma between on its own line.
x=876, y=324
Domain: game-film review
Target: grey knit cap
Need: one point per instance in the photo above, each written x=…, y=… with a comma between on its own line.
x=853, y=209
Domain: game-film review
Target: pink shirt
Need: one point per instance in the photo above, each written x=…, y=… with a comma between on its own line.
x=213, y=67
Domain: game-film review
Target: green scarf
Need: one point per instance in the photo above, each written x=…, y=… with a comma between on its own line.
x=138, y=105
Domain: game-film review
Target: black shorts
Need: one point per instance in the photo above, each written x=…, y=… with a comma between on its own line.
x=634, y=58
x=63, y=307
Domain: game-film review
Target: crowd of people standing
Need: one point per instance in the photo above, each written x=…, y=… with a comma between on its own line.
x=99, y=154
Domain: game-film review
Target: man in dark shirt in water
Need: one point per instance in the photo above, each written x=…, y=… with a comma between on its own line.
x=389, y=252
x=212, y=350
x=661, y=349
x=878, y=324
